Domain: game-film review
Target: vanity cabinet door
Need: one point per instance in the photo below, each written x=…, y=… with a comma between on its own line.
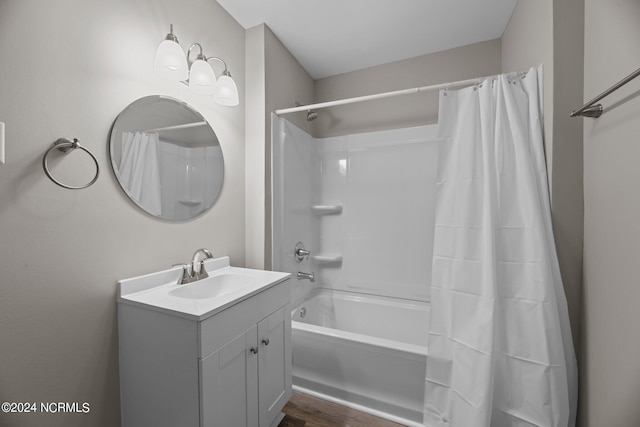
x=229, y=383
x=274, y=364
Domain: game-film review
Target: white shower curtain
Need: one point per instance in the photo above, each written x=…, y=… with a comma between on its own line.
x=139, y=170
x=499, y=347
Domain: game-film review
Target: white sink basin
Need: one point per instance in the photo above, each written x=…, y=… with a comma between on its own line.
x=225, y=286
x=215, y=286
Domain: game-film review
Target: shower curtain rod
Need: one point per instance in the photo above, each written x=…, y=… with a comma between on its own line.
x=382, y=95
x=177, y=127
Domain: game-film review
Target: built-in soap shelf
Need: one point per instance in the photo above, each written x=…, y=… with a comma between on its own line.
x=190, y=202
x=320, y=210
x=327, y=258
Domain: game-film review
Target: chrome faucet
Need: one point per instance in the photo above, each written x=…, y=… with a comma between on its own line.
x=197, y=263
x=308, y=276
x=195, y=270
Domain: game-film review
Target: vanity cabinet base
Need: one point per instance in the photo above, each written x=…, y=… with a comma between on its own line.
x=231, y=369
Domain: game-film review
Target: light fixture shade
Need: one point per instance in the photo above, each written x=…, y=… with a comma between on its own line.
x=170, y=61
x=201, y=78
x=226, y=92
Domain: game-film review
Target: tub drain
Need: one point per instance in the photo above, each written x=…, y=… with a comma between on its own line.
x=303, y=312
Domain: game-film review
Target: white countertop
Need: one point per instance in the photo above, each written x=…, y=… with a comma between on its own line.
x=154, y=291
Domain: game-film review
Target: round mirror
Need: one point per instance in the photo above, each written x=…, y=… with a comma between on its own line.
x=167, y=158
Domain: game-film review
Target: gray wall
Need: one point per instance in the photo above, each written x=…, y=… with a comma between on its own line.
x=68, y=68
x=256, y=141
x=611, y=348
x=567, y=189
x=279, y=81
x=476, y=60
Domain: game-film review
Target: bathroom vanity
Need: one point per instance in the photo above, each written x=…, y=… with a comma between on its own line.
x=212, y=353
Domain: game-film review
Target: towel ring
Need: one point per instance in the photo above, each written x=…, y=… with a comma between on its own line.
x=65, y=145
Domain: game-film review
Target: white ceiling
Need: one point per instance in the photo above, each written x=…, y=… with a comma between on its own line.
x=330, y=37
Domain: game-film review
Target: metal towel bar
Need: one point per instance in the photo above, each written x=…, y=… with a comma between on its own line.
x=595, y=111
x=66, y=145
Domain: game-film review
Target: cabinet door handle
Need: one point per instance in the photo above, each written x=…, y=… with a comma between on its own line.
x=254, y=350
x=265, y=341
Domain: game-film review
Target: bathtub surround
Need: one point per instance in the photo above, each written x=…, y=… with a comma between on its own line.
x=500, y=346
x=384, y=183
x=196, y=175
x=295, y=177
x=363, y=206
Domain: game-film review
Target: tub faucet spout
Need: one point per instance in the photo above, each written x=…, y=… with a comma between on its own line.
x=308, y=276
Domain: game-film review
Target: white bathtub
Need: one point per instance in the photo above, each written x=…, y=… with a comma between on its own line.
x=362, y=351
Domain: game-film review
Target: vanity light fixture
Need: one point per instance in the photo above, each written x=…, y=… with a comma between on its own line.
x=172, y=64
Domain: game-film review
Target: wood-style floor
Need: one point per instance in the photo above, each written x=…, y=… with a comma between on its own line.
x=305, y=411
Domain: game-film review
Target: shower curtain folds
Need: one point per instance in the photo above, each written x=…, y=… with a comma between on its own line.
x=500, y=352
x=139, y=170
